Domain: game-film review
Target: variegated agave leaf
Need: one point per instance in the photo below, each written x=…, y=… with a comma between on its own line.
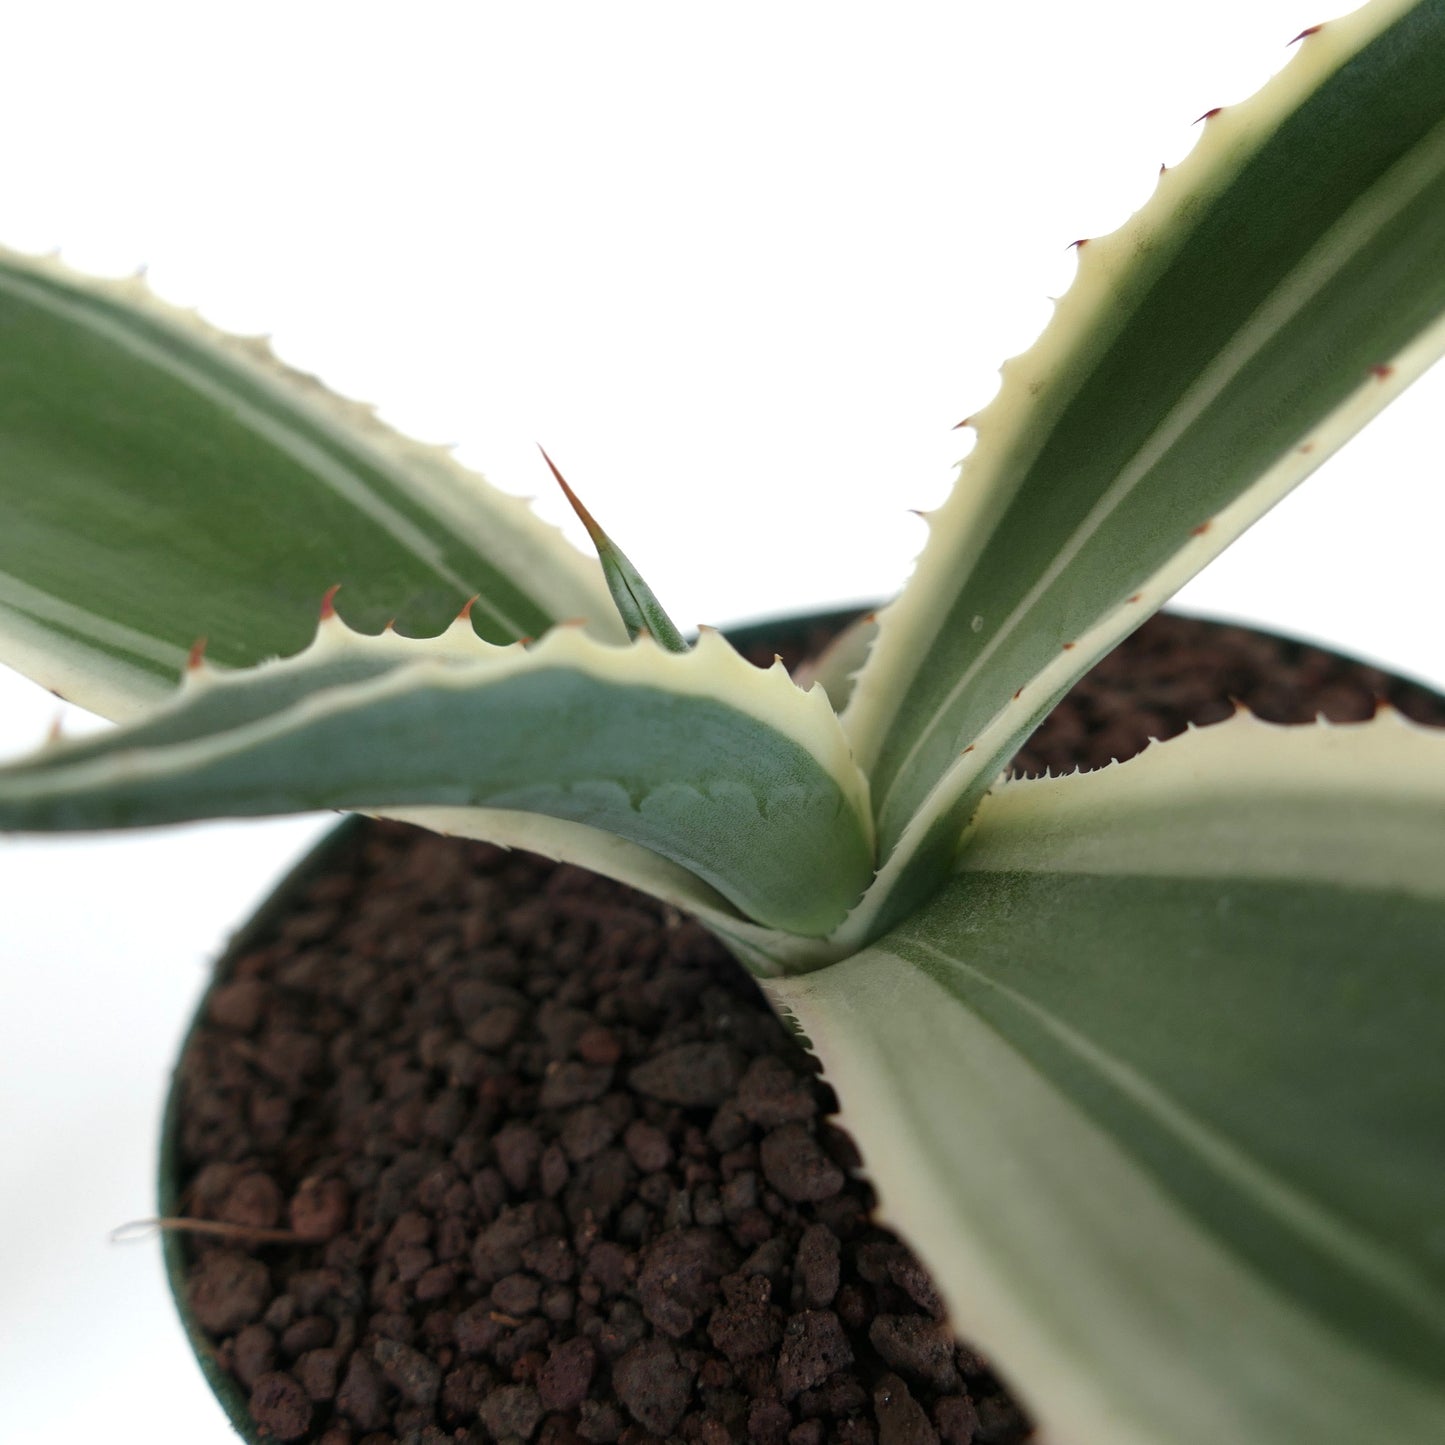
x=728, y=771
x=1279, y=288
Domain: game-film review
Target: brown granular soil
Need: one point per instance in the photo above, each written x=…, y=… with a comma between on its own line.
x=551, y=1170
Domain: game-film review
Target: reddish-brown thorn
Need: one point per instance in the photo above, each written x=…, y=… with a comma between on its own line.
x=328, y=599
x=919, y=513
x=959, y=425
x=1069, y=646
x=465, y=615
x=1305, y=34
x=1380, y=371
x=1162, y=168
x=525, y=641
x=1210, y=114
x=1306, y=447
x=1077, y=245
x=1200, y=530
x=969, y=749
x=583, y=515
x=197, y=655
x=1018, y=694
x=1137, y=597
x=390, y=625
x=868, y=617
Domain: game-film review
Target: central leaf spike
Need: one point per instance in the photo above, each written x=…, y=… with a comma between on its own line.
x=637, y=604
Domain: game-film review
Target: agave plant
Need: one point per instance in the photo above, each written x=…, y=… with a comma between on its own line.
x=1190, y=1009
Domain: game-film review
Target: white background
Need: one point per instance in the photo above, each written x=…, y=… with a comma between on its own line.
x=740, y=267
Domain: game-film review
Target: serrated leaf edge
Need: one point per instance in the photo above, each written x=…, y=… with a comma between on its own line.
x=961, y=527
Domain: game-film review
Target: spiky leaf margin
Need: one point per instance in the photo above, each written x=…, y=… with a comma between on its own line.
x=162, y=481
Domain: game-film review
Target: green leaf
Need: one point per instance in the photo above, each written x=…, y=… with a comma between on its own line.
x=1279, y=288
x=1156, y=1087
x=161, y=482
x=728, y=771
x=636, y=603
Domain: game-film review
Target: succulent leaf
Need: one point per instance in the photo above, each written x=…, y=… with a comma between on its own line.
x=1155, y=1087
x=161, y=481
x=636, y=603
x=729, y=771
x=1280, y=287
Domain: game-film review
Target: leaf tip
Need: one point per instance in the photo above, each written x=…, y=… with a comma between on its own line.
x=583, y=515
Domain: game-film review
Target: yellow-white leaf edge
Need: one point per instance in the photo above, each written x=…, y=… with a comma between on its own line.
x=458, y=497
x=874, y=1013
x=1380, y=782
